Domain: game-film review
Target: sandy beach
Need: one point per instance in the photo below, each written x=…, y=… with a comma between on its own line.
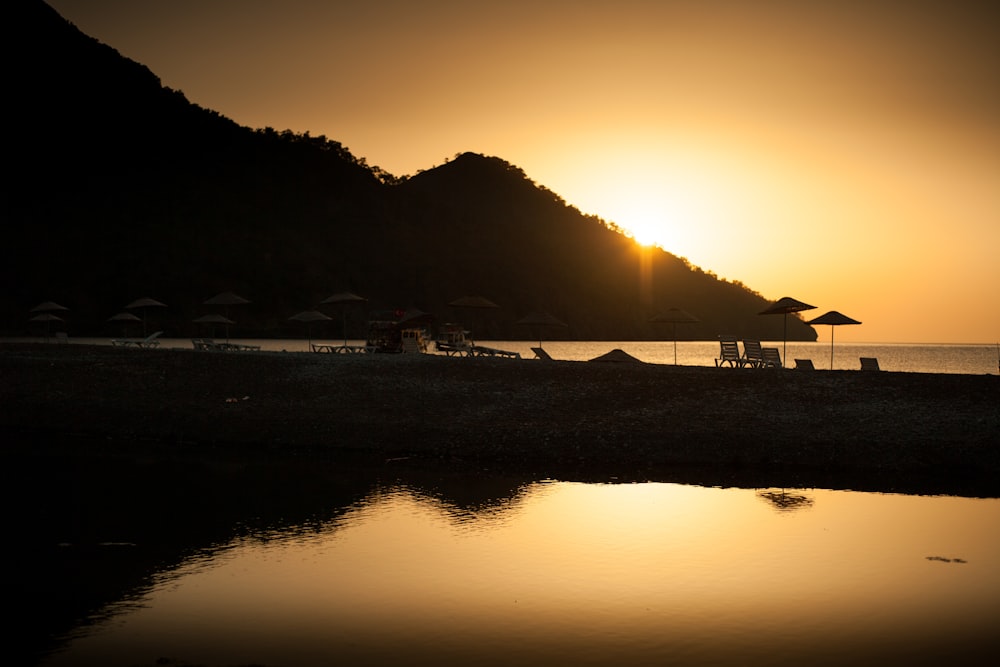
x=907, y=432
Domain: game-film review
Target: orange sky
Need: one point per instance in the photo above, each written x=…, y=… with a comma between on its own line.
x=846, y=155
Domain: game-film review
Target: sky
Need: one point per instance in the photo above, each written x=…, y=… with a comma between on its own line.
x=846, y=154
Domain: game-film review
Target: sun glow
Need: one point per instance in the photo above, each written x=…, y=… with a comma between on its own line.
x=680, y=198
x=676, y=217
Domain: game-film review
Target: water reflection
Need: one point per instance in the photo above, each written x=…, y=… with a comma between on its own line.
x=554, y=572
x=785, y=500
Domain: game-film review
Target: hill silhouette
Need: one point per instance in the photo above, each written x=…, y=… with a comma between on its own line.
x=119, y=187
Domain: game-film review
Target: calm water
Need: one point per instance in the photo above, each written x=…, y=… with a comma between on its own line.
x=905, y=357
x=579, y=574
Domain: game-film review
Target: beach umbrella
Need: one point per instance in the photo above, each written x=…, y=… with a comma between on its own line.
x=47, y=307
x=215, y=318
x=310, y=316
x=226, y=299
x=47, y=319
x=343, y=299
x=675, y=316
x=144, y=303
x=45, y=310
x=473, y=303
x=540, y=321
x=784, y=501
x=125, y=318
x=834, y=319
x=783, y=306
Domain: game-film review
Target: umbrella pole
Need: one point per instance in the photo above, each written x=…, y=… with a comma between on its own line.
x=674, y=324
x=784, y=349
x=831, y=347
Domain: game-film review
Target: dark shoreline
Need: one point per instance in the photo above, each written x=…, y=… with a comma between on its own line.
x=891, y=432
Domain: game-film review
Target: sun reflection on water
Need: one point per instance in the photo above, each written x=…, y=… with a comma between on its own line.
x=585, y=573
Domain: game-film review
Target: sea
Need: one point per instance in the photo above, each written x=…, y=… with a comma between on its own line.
x=972, y=359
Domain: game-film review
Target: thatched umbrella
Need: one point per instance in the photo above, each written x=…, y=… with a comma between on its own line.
x=226, y=299
x=125, y=318
x=144, y=303
x=473, y=303
x=48, y=307
x=784, y=501
x=675, y=316
x=308, y=317
x=215, y=318
x=834, y=319
x=783, y=306
x=343, y=299
x=541, y=321
x=47, y=318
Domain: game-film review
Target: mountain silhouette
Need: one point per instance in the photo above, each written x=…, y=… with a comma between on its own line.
x=119, y=187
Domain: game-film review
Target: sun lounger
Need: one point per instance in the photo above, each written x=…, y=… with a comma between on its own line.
x=770, y=358
x=147, y=342
x=242, y=347
x=205, y=344
x=804, y=365
x=729, y=353
x=541, y=354
x=330, y=348
x=455, y=349
x=481, y=351
x=869, y=364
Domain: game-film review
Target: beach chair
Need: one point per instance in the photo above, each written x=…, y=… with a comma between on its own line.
x=753, y=354
x=541, y=354
x=147, y=342
x=729, y=353
x=869, y=364
x=770, y=358
x=804, y=365
x=205, y=344
x=150, y=341
x=62, y=338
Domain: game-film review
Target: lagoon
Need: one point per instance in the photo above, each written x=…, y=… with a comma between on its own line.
x=493, y=571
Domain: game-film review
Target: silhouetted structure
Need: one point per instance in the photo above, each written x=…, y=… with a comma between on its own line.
x=122, y=185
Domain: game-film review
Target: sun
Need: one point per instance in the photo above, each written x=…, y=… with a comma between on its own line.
x=687, y=197
x=674, y=218
x=645, y=220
